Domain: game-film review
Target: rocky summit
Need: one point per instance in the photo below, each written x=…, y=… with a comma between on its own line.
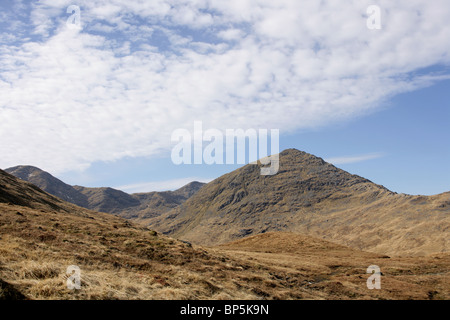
x=312, y=197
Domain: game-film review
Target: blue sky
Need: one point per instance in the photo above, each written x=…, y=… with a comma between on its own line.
x=96, y=105
x=408, y=139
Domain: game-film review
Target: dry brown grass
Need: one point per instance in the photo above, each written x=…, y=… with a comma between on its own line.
x=40, y=236
x=119, y=260
x=338, y=272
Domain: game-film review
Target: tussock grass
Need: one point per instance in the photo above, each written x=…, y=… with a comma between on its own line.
x=124, y=261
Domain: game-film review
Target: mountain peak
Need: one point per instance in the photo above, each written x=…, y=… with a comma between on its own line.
x=15, y=191
x=23, y=171
x=25, y=167
x=48, y=183
x=106, y=199
x=296, y=153
x=256, y=203
x=292, y=151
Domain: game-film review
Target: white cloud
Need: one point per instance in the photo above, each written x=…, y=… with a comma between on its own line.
x=231, y=34
x=354, y=159
x=160, y=185
x=72, y=98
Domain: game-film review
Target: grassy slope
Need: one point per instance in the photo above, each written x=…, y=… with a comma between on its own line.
x=40, y=236
x=337, y=271
x=120, y=260
x=139, y=207
x=312, y=197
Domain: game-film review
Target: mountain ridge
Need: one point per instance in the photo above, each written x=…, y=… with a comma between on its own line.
x=307, y=196
x=311, y=197
x=105, y=199
x=41, y=235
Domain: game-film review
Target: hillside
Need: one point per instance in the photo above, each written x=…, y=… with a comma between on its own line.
x=40, y=236
x=311, y=197
x=49, y=183
x=21, y=193
x=153, y=204
x=335, y=269
x=139, y=206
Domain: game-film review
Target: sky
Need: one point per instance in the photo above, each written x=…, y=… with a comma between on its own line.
x=93, y=94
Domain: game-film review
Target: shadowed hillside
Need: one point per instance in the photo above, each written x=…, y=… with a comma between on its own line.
x=49, y=183
x=140, y=206
x=18, y=192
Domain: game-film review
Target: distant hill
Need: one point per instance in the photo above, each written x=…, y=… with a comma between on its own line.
x=107, y=199
x=18, y=192
x=50, y=184
x=41, y=235
x=311, y=197
x=139, y=206
x=154, y=204
x=308, y=196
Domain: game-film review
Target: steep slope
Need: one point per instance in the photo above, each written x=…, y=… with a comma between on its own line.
x=41, y=235
x=49, y=183
x=139, y=207
x=312, y=197
x=18, y=192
